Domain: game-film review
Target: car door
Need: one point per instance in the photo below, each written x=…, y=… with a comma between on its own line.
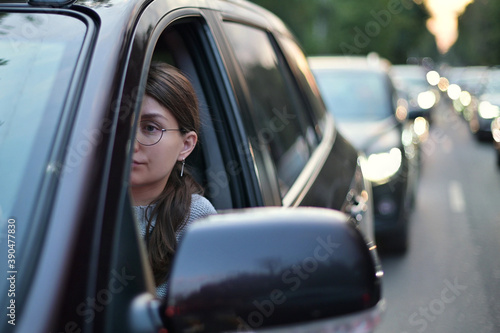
x=42, y=73
x=182, y=37
x=299, y=157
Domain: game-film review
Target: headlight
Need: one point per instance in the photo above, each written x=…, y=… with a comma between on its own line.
x=380, y=167
x=488, y=110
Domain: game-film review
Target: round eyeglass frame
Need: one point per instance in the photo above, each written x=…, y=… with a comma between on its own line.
x=163, y=130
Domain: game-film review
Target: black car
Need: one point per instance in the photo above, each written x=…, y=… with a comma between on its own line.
x=359, y=92
x=72, y=78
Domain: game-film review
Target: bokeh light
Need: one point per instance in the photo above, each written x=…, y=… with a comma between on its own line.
x=426, y=99
x=454, y=91
x=433, y=78
x=465, y=98
x=402, y=109
x=443, y=84
x=421, y=126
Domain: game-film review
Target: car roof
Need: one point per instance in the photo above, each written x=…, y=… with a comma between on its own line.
x=129, y=8
x=117, y=18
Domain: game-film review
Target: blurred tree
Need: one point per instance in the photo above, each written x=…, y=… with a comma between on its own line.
x=479, y=35
x=395, y=29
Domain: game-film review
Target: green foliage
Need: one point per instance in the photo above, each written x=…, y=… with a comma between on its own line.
x=393, y=28
x=479, y=35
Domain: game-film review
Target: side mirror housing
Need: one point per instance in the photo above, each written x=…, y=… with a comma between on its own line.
x=269, y=268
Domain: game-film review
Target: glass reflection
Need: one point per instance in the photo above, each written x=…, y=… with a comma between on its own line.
x=34, y=74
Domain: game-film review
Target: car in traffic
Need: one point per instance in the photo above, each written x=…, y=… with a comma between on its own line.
x=411, y=81
x=292, y=247
x=469, y=83
x=488, y=106
x=360, y=94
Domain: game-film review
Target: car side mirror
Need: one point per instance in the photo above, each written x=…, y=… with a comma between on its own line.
x=267, y=268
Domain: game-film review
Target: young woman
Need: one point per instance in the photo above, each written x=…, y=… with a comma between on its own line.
x=166, y=197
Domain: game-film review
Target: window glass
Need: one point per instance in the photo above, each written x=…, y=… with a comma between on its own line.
x=38, y=54
x=298, y=60
x=276, y=124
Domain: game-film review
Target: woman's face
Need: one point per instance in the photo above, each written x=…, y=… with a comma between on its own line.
x=152, y=165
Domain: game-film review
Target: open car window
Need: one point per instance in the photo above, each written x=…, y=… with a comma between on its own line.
x=221, y=161
x=181, y=45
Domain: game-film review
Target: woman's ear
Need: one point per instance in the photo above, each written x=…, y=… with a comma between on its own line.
x=189, y=139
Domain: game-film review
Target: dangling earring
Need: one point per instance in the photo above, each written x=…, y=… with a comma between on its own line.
x=182, y=169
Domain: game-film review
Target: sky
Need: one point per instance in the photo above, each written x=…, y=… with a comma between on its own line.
x=443, y=22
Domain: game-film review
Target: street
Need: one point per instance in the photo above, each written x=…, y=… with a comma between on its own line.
x=449, y=280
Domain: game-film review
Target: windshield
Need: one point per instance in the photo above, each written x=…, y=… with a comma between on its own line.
x=493, y=86
x=38, y=54
x=355, y=95
x=409, y=78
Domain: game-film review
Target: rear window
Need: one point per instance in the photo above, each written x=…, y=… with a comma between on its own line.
x=355, y=95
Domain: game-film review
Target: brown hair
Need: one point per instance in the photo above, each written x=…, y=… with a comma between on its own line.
x=169, y=87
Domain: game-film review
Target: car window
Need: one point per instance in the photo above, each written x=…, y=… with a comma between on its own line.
x=35, y=71
x=38, y=55
x=275, y=125
x=218, y=162
x=297, y=59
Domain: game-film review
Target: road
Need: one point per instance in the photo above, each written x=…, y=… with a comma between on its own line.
x=449, y=280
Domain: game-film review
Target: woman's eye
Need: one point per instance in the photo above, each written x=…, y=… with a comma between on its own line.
x=149, y=128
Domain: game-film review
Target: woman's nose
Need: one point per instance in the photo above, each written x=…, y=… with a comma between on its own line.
x=136, y=146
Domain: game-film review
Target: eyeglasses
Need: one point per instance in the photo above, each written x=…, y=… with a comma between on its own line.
x=150, y=134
